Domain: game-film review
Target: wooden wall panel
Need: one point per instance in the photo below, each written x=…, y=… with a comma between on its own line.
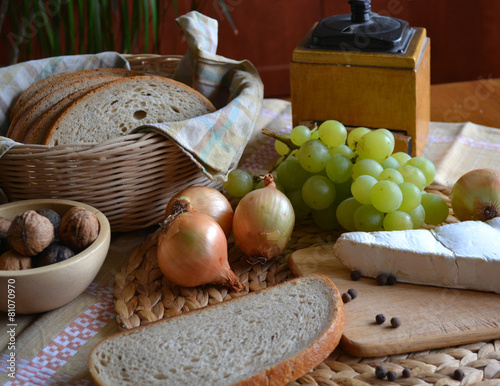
x=464, y=34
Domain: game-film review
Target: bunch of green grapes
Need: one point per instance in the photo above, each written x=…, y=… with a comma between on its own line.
x=352, y=180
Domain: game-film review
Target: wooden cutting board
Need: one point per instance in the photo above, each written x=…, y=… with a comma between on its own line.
x=432, y=317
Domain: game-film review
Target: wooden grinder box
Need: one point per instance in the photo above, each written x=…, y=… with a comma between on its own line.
x=371, y=89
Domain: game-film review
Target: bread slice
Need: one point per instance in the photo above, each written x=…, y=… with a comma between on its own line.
x=118, y=107
x=267, y=337
x=30, y=91
x=42, y=88
x=34, y=113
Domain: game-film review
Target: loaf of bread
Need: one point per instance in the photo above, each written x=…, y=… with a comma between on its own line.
x=269, y=337
x=30, y=115
x=45, y=86
x=120, y=106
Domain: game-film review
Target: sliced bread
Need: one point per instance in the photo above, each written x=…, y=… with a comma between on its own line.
x=118, y=107
x=32, y=115
x=40, y=89
x=32, y=90
x=267, y=337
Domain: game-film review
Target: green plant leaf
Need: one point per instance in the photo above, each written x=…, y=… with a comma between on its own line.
x=81, y=26
x=125, y=27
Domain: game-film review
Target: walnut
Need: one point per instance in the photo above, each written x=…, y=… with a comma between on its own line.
x=30, y=233
x=79, y=228
x=53, y=216
x=13, y=261
x=4, y=227
x=54, y=253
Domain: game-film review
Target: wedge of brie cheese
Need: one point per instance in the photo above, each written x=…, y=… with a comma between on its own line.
x=460, y=255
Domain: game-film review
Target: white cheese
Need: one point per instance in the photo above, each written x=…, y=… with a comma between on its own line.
x=461, y=255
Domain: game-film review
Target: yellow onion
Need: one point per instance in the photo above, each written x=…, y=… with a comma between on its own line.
x=205, y=200
x=263, y=222
x=192, y=251
x=476, y=195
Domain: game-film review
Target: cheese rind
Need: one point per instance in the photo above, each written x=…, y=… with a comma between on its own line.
x=460, y=255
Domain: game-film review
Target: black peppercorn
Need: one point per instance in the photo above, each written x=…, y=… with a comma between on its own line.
x=355, y=275
x=380, y=318
x=380, y=372
x=346, y=298
x=391, y=280
x=392, y=376
x=382, y=279
x=458, y=374
x=353, y=293
x=406, y=372
x=395, y=322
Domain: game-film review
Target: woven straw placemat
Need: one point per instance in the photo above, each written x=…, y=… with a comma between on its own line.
x=143, y=295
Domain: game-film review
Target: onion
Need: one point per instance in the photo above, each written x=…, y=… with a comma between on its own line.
x=192, y=251
x=205, y=200
x=476, y=195
x=263, y=222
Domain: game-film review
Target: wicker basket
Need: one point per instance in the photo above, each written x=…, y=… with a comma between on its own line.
x=130, y=178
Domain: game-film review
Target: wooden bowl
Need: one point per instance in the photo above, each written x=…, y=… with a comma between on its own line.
x=46, y=288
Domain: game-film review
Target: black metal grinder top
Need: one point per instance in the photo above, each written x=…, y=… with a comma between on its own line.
x=362, y=30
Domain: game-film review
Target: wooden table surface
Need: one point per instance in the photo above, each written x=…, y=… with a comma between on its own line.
x=477, y=101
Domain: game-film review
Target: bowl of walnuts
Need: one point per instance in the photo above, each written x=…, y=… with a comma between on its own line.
x=50, y=252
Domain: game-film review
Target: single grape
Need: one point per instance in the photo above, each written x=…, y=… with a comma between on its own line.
x=314, y=134
x=366, y=166
x=300, y=134
x=386, y=196
x=411, y=196
x=332, y=133
x=354, y=136
x=368, y=219
x=375, y=145
x=389, y=134
x=239, y=183
x=342, y=149
x=417, y=216
x=426, y=166
x=326, y=219
x=397, y=221
x=313, y=156
x=390, y=174
x=390, y=162
x=338, y=168
x=318, y=192
x=345, y=213
x=361, y=188
x=299, y=206
x=401, y=157
x=414, y=175
x=436, y=208
x=291, y=174
x=281, y=147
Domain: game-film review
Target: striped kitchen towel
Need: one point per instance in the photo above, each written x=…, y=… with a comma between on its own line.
x=215, y=141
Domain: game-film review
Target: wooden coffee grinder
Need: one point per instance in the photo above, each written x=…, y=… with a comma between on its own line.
x=364, y=69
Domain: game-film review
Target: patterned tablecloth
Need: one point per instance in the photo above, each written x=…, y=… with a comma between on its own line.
x=52, y=348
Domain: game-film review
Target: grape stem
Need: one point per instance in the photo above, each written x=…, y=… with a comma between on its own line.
x=281, y=138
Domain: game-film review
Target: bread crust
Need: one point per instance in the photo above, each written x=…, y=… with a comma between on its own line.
x=281, y=373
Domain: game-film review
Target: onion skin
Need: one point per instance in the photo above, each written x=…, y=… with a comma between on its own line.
x=476, y=195
x=208, y=201
x=263, y=223
x=192, y=251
